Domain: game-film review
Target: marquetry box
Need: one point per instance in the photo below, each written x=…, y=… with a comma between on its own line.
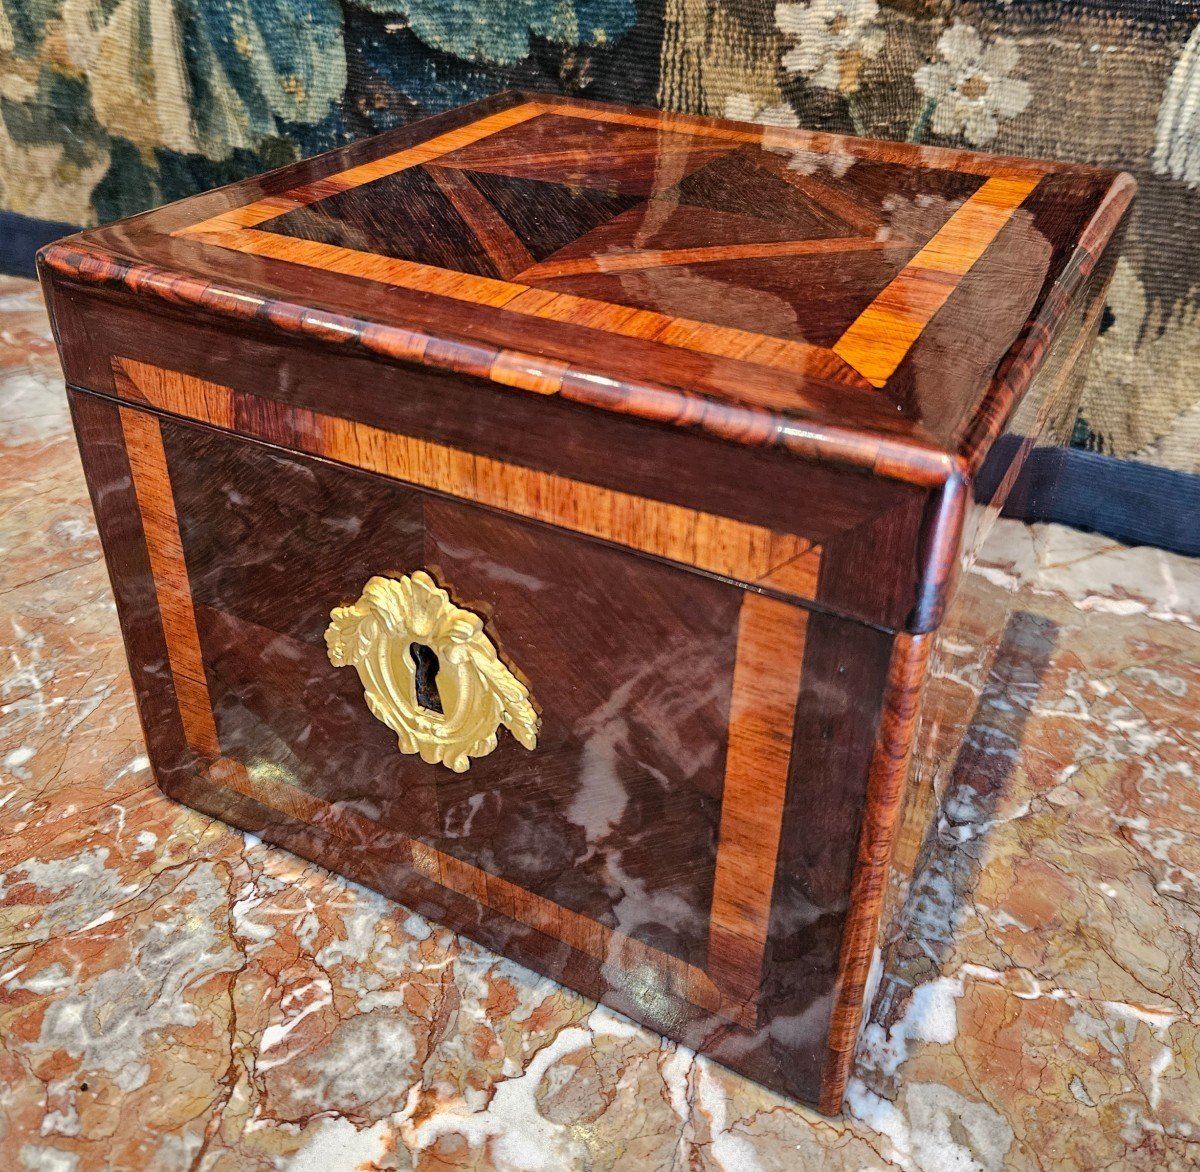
x=543, y=513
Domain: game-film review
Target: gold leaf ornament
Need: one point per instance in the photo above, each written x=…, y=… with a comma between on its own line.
x=476, y=690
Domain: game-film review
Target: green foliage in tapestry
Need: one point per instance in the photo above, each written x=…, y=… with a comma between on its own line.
x=58, y=112
x=23, y=24
x=136, y=180
x=499, y=33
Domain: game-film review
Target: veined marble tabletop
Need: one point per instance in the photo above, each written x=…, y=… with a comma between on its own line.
x=176, y=995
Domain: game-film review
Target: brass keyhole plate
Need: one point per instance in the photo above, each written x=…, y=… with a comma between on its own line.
x=382, y=635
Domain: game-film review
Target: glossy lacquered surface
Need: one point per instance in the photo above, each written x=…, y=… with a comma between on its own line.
x=770, y=286
x=699, y=420
x=691, y=734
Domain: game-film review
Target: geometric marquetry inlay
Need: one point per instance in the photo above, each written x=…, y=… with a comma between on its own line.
x=764, y=694
x=693, y=424
x=713, y=239
x=722, y=545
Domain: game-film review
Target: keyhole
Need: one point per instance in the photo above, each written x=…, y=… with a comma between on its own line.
x=426, y=662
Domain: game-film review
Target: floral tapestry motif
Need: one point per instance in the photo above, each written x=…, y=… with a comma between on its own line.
x=830, y=40
x=110, y=106
x=969, y=90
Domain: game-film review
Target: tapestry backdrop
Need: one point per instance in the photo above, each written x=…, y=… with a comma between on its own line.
x=110, y=106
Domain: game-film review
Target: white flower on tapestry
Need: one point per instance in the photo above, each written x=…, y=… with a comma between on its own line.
x=832, y=40
x=1177, y=138
x=970, y=90
x=743, y=108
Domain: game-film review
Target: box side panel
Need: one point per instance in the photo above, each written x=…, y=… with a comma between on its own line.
x=630, y=664
x=942, y=744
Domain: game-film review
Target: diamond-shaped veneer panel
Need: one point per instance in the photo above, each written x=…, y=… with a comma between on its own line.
x=824, y=195
x=488, y=225
x=548, y=216
x=367, y=219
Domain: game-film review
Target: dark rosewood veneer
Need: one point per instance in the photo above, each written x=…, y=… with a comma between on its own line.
x=695, y=422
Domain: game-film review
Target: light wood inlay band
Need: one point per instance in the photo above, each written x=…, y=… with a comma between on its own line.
x=665, y=257
x=505, y=248
x=680, y=332
x=866, y=355
x=276, y=205
x=585, y=935
x=876, y=342
x=720, y=545
x=152, y=485
x=762, y=708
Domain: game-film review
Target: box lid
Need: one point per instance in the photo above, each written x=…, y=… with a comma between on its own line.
x=872, y=303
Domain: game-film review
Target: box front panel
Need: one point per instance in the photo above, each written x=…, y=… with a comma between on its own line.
x=614, y=815
x=679, y=843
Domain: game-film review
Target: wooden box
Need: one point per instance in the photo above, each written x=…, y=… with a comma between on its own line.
x=543, y=514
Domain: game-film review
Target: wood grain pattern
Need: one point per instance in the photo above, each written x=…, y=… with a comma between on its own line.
x=823, y=504
x=716, y=544
x=723, y=398
x=502, y=244
x=873, y=345
x=766, y=687
x=885, y=796
x=103, y=447
x=667, y=257
x=249, y=215
x=148, y=463
x=814, y=141
x=699, y=311
x=693, y=371
x=1099, y=228
x=624, y=321
x=587, y=936
x=879, y=338
x=584, y=622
